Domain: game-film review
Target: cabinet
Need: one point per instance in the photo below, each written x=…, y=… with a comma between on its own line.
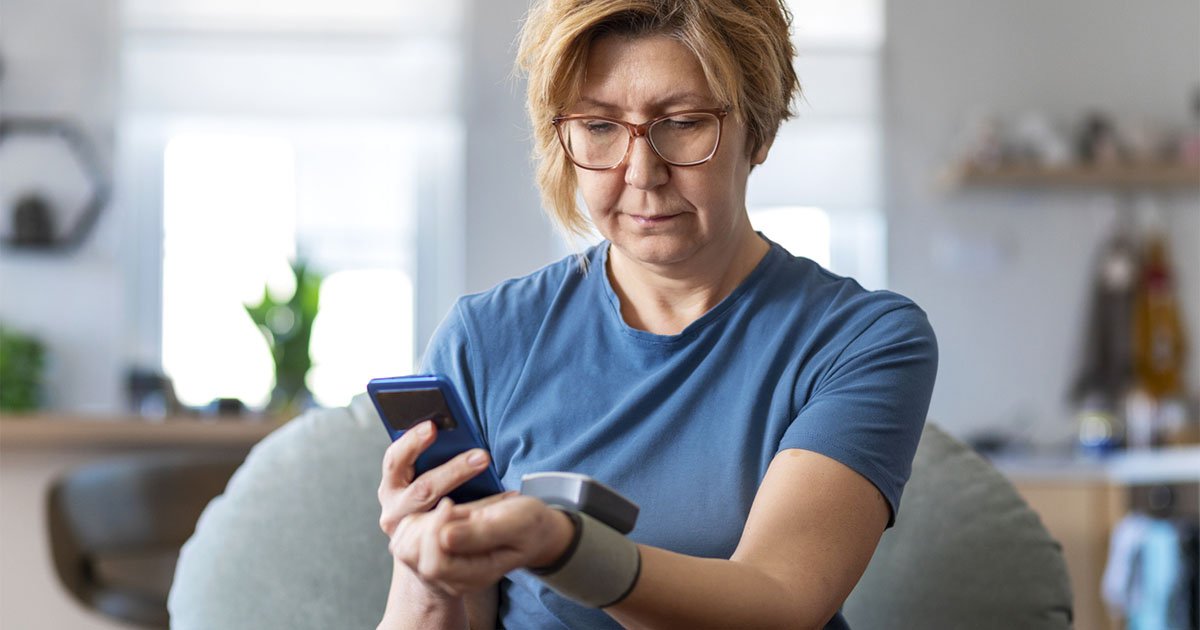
x=1081, y=515
x=1080, y=501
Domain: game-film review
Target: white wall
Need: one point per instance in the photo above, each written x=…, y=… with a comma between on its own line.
x=506, y=232
x=60, y=60
x=1003, y=274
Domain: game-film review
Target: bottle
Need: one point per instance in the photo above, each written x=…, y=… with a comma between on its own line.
x=1159, y=343
x=1142, y=430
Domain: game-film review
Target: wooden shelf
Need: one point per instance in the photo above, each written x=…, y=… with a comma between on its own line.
x=1154, y=176
x=39, y=432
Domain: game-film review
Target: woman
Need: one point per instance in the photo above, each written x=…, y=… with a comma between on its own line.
x=762, y=412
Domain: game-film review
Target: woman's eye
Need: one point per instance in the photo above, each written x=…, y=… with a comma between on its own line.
x=600, y=127
x=681, y=124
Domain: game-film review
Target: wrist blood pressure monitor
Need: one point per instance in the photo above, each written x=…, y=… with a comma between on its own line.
x=600, y=566
x=581, y=493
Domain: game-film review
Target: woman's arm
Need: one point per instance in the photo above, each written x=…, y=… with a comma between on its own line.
x=811, y=532
x=411, y=604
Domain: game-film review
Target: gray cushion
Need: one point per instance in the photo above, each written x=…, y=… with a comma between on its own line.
x=966, y=552
x=294, y=542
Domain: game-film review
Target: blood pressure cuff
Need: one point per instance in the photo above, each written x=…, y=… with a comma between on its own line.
x=600, y=567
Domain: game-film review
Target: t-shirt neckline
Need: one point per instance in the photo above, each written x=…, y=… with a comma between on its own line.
x=600, y=267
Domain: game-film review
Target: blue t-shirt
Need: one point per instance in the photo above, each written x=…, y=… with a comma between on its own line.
x=686, y=425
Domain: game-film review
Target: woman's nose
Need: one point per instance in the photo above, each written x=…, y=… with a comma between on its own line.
x=644, y=169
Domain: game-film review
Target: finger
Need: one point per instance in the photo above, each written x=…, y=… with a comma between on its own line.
x=409, y=546
x=499, y=525
x=424, y=491
x=411, y=530
x=406, y=539
x=400, y=457
x=465, y=574
x=430, y=563
x=460, y=574
x=434, y=484
x=401, y=545
x=466, y=509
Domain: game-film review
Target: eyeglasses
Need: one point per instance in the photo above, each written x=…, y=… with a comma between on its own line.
x=685, y=138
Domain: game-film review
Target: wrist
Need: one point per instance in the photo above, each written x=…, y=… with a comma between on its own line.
x=414, y=605
x=561, y=535
x=410, y=592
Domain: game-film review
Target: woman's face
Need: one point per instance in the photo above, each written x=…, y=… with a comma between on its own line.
x=655, y=213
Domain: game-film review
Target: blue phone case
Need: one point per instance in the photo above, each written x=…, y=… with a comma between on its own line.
x=450, y=441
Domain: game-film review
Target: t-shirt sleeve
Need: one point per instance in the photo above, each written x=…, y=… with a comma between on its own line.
x=869, y=409
x=449, y=354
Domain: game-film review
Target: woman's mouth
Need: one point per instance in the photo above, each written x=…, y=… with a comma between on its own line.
x=657, y=219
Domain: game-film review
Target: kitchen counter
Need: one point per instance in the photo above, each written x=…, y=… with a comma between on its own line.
x=1164, y=465
x=1081, y=499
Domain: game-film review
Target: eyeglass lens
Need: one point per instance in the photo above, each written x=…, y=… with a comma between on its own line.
x=680, y=140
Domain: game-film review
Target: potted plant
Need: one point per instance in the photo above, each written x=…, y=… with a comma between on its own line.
x=287, y=327
x=22, y=359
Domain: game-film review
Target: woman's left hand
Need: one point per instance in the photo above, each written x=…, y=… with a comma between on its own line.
x=461, y=549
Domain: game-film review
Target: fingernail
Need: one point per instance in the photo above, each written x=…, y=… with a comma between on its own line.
x=477, y=458
x=425, y=428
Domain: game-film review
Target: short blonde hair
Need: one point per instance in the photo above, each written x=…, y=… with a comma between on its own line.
x=744, y=48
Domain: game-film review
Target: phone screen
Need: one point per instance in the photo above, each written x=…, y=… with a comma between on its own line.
x=402, y=410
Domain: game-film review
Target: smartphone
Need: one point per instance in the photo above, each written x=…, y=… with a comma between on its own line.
x=403, y=402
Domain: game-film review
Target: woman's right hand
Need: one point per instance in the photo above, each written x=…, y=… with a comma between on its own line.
x=402, y=493
x=412, y=601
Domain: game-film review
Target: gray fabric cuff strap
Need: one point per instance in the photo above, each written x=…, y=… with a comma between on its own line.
x=603, y=568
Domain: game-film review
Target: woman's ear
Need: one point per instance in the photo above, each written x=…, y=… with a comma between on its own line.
x=760, y=154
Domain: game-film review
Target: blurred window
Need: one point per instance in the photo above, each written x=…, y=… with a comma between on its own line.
x=237, y=207
x=802, y=231
x=279, y=131
x=226, y=200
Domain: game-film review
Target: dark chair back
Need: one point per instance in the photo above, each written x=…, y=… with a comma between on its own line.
x=116, y=527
